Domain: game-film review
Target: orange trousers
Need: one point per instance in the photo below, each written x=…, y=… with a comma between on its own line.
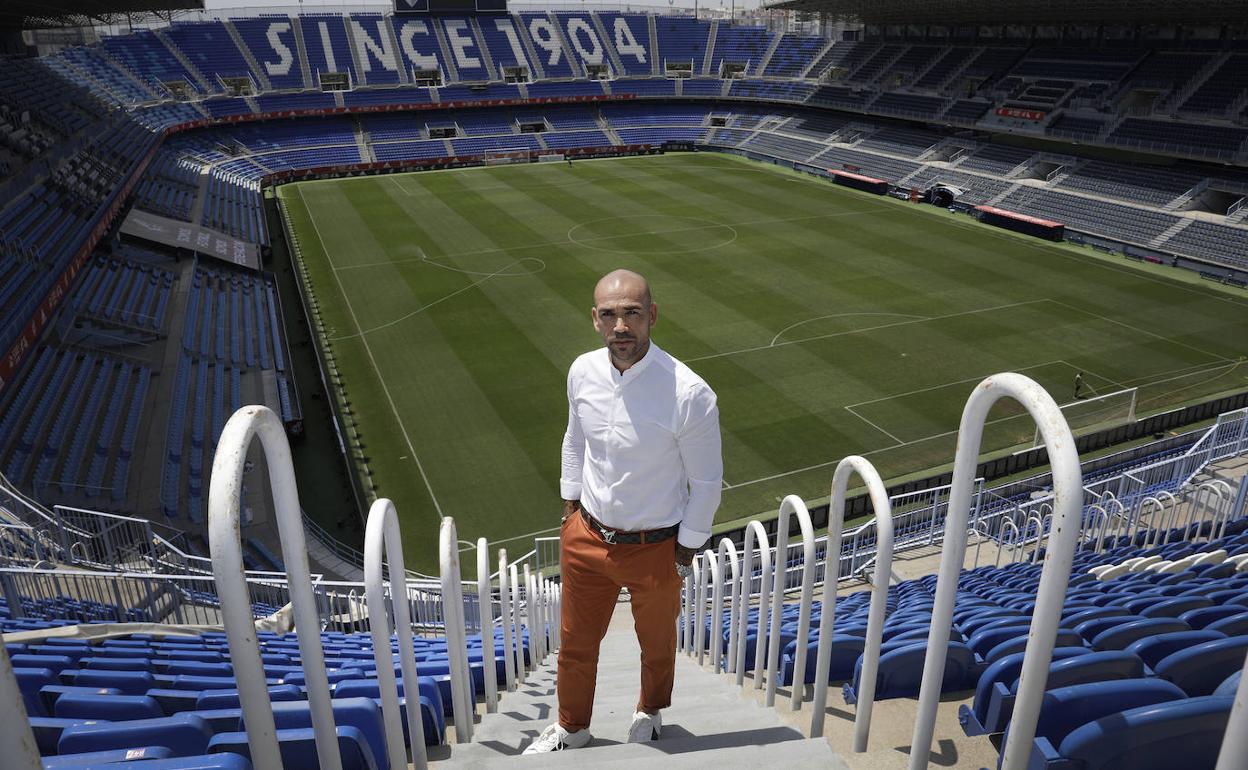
x=592, y=573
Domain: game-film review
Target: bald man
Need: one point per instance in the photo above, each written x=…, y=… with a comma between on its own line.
x=640, y=481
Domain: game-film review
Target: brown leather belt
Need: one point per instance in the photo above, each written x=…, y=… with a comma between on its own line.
x=612, y=536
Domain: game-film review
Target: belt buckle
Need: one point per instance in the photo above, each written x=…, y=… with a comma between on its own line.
x=608, y=535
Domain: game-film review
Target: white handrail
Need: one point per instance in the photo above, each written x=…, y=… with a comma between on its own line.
x=1068, y=504
x=1139, y=519
x=1001, y=539
x=728, y=551
x=224, y=505
x=504, y=606
x=382, y=538
x=1234, y=752
x=453, y=622
x=883, y=519
x=686, y=616
x=791, y=505
x=485, y=611
x=1035, y=553
x=539, y=596
x=754, y=532
x=710, y=568
x=513, y=574
x=17, y=739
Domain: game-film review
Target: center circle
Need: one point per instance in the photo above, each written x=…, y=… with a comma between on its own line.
x=651, y=234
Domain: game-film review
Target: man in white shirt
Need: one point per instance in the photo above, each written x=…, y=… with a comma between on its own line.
x=641, y=479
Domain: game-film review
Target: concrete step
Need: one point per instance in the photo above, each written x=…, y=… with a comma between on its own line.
x=709, y=725
x=765, y=747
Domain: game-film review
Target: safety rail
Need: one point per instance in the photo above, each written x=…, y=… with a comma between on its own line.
x=1053, y=525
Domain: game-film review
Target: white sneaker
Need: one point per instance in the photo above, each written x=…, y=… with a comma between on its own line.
x=555, y=738
x=645, y=727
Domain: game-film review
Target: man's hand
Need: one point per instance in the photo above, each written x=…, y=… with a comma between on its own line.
x=684, y=556
x=570, y=508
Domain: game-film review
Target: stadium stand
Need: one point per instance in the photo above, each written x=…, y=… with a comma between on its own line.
x=169, y=343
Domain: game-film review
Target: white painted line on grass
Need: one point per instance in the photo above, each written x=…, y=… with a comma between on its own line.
x=780, y=333
x=367, y=349
x=850, y=409
x=757, y=348
x=1133, y=327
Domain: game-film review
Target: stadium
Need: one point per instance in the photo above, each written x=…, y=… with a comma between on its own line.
x=289, y=296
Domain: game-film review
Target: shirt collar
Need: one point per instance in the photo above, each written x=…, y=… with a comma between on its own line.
x=634, y=371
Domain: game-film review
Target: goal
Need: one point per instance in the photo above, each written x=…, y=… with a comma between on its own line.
x=1097, y=413
x=506, y=155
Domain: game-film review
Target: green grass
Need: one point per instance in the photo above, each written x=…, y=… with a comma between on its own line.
x=829, y=322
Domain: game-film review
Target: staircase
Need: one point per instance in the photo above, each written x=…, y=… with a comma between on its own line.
x=1182, y=200
x=262, y=77
x=656, y=66
x=1171, y=231
x=201, y=82
x=447, y=56
x=535, y=62
x=609, y=131
x=301, y=52
x=609, y=44
x=817, y=61
x=709, y=725
x=709, y=57
x=398, y=52
x=1176, y=100
x=486, y=58
x=771, y=50
x=574, y=61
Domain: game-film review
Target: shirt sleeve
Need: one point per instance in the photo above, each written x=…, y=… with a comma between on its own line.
x=699, y=443
x=573, y=455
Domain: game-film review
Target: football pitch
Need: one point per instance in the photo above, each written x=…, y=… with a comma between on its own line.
x=828, y=321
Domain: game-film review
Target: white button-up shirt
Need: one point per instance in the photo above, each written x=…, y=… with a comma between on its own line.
x=642, y=449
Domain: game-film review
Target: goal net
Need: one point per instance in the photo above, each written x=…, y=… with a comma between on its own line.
x=1097, y=413
x=506, y=155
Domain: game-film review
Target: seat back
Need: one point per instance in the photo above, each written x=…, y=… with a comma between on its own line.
x=1065, y=709
x=1163, y=736
x=1118, y=637
x=1199, y=669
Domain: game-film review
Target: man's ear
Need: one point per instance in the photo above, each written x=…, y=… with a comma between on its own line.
x=593, y=316
x=654, y=314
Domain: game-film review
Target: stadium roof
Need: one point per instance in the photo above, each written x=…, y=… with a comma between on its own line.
x=1025, y=11
x=39, y=13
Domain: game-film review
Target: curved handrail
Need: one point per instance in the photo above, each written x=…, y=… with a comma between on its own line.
x=728, y=550
x=382, y=538
x=1139, y=518
x=883, y=518
x=789, y=506
x=980, y=530
x=453, y=621
x=513, y=575
x=709, y=569
x=539, y=601
x=687, y=611
x=1094, y=527
x=1001, y=540
x=1068, y=503
x=1214, y=487
x=504, y=606
x=224, y=505
x=485, y=612
x=1035, y=552
x=754, y=532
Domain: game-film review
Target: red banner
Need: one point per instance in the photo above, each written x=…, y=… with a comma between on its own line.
x=1021, y=112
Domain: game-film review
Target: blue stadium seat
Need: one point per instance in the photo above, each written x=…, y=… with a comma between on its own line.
x=1199, y=669
x=298, y=747
x=901, y=671
x=1163, y=736
x=186, y=735
x=1066, y=709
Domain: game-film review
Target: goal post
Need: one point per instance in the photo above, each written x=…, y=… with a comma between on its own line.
x=506, y=155
x=1098, y=412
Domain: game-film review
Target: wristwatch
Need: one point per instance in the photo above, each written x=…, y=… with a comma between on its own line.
x=684, y=570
